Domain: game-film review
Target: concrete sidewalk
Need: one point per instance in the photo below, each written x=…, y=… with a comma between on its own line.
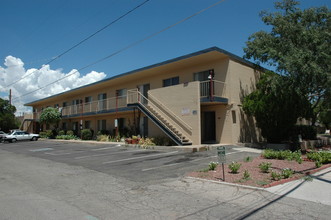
x=318, y=190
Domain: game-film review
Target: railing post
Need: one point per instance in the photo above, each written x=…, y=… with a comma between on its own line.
x=211, y=89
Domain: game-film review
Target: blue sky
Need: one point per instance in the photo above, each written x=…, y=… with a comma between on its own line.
x=35, y=31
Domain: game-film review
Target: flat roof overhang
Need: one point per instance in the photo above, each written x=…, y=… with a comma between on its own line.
x=193, y=59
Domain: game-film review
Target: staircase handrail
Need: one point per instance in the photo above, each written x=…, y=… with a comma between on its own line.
x=139, y=94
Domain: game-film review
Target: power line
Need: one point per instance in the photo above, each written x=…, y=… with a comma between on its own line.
x=126, y=48
x=84, y=40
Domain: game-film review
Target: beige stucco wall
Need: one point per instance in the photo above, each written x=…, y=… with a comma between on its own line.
x=154, y=78
x=184, y=101
x=241, y=81
x=223, y=123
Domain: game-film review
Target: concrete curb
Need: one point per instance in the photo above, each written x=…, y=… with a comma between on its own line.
x=226, y=183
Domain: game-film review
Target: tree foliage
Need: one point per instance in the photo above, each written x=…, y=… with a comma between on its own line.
x=50, y=116
x=275, y=109
x=298, y=46
x=7, y=116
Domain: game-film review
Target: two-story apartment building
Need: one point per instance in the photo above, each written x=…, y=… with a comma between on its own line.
x=193, y=99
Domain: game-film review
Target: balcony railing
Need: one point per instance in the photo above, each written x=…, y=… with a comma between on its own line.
x=208, y=88
x=95, y=106
x=213, y=88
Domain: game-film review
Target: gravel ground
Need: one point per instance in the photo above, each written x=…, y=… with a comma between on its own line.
x=256, y=177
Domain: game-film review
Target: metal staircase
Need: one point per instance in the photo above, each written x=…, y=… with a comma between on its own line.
x=168, y=122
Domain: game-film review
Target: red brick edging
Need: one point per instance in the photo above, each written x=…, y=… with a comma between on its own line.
x=282, y=181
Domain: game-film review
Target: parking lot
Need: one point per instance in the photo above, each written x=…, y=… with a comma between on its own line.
x=135, y=164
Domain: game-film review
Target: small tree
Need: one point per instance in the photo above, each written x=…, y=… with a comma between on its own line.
x=50, y=116
x=7, y=116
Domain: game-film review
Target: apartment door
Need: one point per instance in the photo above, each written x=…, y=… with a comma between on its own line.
x=143, y=89
x=208, y=127
x=143, y=126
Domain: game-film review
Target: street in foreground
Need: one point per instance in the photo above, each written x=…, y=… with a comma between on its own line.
x=37, y=188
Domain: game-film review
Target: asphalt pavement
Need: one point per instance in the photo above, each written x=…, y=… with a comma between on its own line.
x=136, y=164
x=66, y=180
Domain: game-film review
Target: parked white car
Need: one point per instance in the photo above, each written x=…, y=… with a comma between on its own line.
x=2, y=135
x=20, y=136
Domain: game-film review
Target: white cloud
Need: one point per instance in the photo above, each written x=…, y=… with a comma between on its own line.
x=34, y=79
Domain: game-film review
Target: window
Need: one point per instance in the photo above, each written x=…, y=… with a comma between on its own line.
x=202, y=76
x=87, y=124
x=75, y=102
x=88, y=99
x=102, y=101
x=64, y=104
x=102, y=125
x=121, y=92
x=171, y=81
x=56, y=105
x=102, y=96
x=234, y=117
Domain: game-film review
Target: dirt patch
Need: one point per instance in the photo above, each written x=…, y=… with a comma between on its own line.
x=257, y=177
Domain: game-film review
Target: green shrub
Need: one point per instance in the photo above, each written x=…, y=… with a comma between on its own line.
x=318, y=164
x=115, y=138
x=146, y=142
x=46, y=134
x=264, y=167
x=297, y=156
x=103, y=138
x=275, y=175
x=287, y=173
x=270, y=154
x=234, y=167
x=62, y=132
x=67, y=137
x=212, y=165
x=70, y=132
x=282, y=155
x=43, y=134
x=248, y=159
x=86, y=134
x=323, y=157
x=103, y=132
x=246, y=175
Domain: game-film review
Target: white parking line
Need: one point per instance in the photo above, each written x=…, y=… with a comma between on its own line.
x=239, y=151
x=174, y=164
x=98, y=155
x=154, y=168
x=57, y=154
x=41, y=149
x=135, y=158
x=105, y=148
